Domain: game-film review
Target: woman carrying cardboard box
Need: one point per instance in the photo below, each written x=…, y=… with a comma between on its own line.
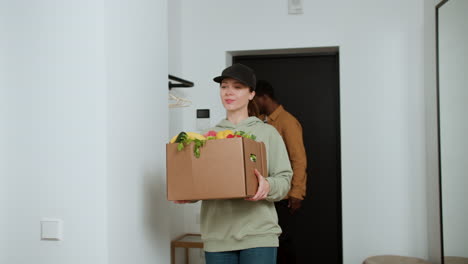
x=246, y=230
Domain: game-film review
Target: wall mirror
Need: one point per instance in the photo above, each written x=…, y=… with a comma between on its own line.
x=452, y=86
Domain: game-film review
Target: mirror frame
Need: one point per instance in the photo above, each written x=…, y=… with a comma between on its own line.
x=438, y=130
x=438, y=6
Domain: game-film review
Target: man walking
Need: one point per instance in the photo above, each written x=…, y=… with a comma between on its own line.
x=291, y=131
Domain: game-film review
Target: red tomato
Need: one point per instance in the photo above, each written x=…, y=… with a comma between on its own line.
x=210, y=133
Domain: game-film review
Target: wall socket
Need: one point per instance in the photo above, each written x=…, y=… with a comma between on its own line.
x=51, y=229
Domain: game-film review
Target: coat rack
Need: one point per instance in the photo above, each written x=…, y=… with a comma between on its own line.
x=181, y=82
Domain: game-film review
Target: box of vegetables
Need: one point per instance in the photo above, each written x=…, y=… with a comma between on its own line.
x=217, y=165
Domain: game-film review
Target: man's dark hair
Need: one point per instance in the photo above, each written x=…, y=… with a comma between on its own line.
x=264, y=88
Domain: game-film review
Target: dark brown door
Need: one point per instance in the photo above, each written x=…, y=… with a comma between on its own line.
x=307, y=85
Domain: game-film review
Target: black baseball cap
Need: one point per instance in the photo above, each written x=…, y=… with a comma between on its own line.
x=239, y=72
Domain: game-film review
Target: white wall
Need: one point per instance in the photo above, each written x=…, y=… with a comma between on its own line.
x=138, y=222
x=178, y=213
x=453, y=95
x=86, y=104
x=3, y=134
x=56, y=128
x=382, y=101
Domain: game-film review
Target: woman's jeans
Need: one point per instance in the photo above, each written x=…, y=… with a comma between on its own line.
x=260, y=255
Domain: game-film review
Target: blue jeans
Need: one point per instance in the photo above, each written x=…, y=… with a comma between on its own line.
x=260, y=255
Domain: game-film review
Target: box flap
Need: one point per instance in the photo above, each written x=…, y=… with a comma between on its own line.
x=178, y=165
x=254, y=158
x=264, y=160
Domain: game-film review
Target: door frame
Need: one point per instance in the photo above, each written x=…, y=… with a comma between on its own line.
x=313, y=51
x=308, y=52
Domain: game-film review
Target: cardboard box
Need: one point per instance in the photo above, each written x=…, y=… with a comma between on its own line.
x=224, y=169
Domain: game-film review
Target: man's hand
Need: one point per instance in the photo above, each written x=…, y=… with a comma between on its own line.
x=263, y=188
x=294, y=204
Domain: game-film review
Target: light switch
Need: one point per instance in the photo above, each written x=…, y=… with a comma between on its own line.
x=203, y=119
x=51, y=229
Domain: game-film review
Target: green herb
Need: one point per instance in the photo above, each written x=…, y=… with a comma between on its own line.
x=246, y=135
x=239, y=133
x=183, y=140
x=196, y=148
x=180, y=146
x=253, y=157
x=181, y=137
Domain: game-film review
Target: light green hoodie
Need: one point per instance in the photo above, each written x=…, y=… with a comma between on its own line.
x=234, y=224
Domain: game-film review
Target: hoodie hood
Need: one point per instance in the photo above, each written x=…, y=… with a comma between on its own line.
x=243, y=125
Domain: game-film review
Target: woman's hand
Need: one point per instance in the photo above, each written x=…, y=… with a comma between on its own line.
x=263, y=188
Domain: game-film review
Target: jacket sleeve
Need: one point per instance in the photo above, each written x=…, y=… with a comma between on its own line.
x=292, y=136
x=279, y=168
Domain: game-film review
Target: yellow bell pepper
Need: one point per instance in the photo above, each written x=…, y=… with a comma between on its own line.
x=223, y=134
x=193, y=135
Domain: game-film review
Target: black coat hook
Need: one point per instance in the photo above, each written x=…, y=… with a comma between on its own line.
x=181, y=82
